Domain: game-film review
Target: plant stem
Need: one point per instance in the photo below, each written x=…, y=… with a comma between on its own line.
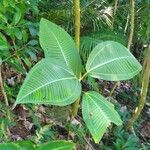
x=5, y=95
x=114, y=13
x=75, y=105
x=113, y=89
x=126, y=26
x=132, y=16
x=77, y=22
x=14, y=54
x=145, y=83
x=77, y=44
x=83, y=76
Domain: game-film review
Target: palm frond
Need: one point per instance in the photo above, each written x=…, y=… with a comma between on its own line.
x=89, y=42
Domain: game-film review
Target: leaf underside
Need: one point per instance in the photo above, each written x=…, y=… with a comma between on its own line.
x=58, y=44
x=112, y=61
x=98, y=113
x=49, y=83
x=57, y=145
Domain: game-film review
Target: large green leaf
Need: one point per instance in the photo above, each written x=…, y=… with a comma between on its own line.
x=98, y=113
x=57, y=145
x=25, y=145
x=58, y=44
x=112, y=61
x=9, y=146
x=50, y=83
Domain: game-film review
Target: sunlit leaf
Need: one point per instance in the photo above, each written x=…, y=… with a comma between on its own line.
x=9, y=146
x=57, y=145
x=48, y=82
x=98, y=113
x=58, y=44
x=112, y=61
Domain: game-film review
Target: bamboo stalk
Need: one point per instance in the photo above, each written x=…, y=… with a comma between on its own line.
x=75, y=105
x=132, y=16
x=145, y=83
x=77, y=22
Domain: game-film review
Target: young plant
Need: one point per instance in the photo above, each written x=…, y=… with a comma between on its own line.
x=54, y=79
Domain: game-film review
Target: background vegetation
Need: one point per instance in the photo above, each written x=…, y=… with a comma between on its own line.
x=126, y=22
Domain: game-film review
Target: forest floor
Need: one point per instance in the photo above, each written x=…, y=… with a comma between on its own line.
x=42, y=123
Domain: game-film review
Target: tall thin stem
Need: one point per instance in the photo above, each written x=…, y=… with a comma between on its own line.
x=132, y=16
x=126, y=26
x=4, y=95
x=114, y=13
x=77, y=43
x=145, y=83
x=77, y=22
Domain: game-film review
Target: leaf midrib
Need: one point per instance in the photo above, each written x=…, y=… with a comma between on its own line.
x=61, y=147
x=61, y=49
x=118, y=74
x=62, y=79
x=97, y=54
x=108, y=62
x=105, y=116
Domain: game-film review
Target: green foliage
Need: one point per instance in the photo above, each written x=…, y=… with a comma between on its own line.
x=28, y=145
x=9, y=146
x=144, y=17
x=125, y=140
x=109, y=35
x=61, y=13
x=62, y=145
x=19, y=48
x=93, y=84
x=86, y=46
x=52, y=80
x=91, y=40
x=16, y=34
x=50, y=83
x=98, y=113
x=59, y=46
x=112, y=61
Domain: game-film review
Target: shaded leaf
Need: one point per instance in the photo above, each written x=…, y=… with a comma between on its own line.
x=17, y=16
